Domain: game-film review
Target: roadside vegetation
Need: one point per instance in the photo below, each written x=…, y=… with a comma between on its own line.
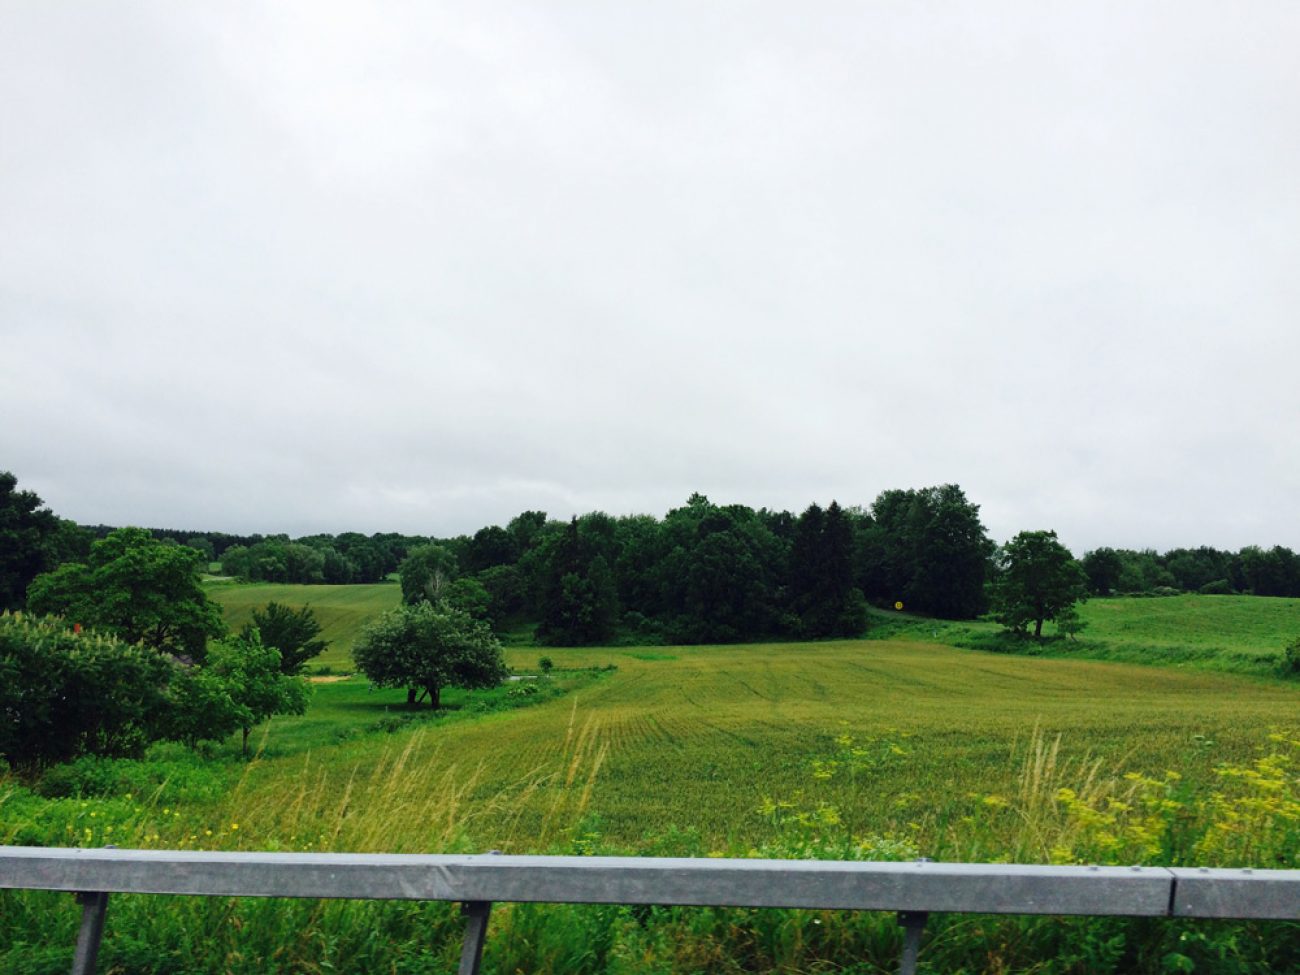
x=157, y=711
x=875, y=750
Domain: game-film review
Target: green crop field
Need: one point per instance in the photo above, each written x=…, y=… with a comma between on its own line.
x=899, y=737
x=341, y=610
x=883, y=748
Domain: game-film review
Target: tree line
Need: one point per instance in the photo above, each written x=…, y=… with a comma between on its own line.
x=710, y=573
x=1253, y=570
x=703, y=572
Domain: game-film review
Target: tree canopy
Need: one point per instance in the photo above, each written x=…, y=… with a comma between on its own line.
x=138, y=589
x=1039, y=581
x=27, y=531
x=291, y=631
x=426, y=572
x=254, y=678
x=426, y=647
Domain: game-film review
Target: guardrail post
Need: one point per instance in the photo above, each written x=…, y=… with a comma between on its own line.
x=94, y=905
x=913, y=923
x=476, y=919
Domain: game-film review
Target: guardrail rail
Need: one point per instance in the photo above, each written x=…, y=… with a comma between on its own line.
x=913, y=889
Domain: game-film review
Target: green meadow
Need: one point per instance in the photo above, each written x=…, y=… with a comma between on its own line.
x=1238, y=634
x=884, y=748
x=340, y=610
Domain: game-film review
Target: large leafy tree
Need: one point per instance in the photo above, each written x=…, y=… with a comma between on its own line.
x=27, y=532
x=719, y=577
x=1039, y=581
x=426, y=647
x=928, y=548
x=136, y=588
x=1104, y=568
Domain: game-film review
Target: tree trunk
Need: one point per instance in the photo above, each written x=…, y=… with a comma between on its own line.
x=246, y=731
x=1038, y=628
x=435, y=694
x=410, y=697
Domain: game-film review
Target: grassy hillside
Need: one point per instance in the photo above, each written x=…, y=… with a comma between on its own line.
x=1242, y=634
x=885, y=749
x=341, y=610
x=1258, y=625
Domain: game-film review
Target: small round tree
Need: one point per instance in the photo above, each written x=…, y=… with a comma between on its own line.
x=427, y=647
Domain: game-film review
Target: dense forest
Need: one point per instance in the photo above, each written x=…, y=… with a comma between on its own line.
x=702, y=573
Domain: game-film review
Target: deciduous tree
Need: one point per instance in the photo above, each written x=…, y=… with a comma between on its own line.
x=137, y=588
x=426, y=572
x=1039, y=581
x=427, y=647
x=255, y=681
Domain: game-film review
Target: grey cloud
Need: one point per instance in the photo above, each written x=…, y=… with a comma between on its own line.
x=389, y=266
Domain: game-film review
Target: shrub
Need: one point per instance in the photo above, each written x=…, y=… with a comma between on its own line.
x=65, y=693
x=1219, y=587
x=1288, y=661
x=158, y=778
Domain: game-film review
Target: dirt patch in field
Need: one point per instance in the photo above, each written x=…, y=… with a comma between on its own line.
x=328, y=678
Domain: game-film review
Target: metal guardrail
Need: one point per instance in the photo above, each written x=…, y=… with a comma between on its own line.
x=913, y=889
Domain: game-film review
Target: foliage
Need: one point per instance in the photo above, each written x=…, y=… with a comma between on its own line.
x=27, y=531
x=253, y=676
x=291, y=631
x=426, y=572
x=342, y=611
x=469, y=596
x=927, y=548
x=1289, y=660
x=719, y=577
x=506, y=592
x=822, y=595
x=1104, y=567
x=1039, y=580
x=65, y=693
x=427, y=647
x=579, y=595
x=136, y=588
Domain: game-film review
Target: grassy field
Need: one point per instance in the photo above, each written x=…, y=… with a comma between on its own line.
x=1255, y=625
x=877, y=749
x=1240, y=634
x=894, y=747
x=900, y=738
x=341, y=610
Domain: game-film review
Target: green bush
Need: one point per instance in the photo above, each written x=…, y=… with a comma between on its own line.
x=1288, y=663
x=1219, y=587
x=185, y=777
x=65, y=693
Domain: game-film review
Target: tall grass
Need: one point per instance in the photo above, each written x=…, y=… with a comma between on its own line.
x=1064, y=809
x=868, y=750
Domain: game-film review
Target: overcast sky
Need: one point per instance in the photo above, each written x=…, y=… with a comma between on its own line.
x=419, y=266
